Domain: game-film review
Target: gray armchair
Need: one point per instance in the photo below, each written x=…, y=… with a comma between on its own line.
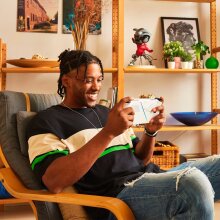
x=16, y=110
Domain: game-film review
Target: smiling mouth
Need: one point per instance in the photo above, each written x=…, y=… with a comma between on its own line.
x=93, y=96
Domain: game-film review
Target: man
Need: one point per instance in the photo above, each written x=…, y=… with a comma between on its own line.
x=81, y=143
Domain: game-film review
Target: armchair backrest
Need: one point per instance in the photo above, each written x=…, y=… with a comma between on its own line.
x=13, y=119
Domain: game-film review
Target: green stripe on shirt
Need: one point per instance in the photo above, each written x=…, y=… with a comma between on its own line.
x=115, y=148
x=43, y=156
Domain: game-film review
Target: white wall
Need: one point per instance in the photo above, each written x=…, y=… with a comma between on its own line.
x=187, y=92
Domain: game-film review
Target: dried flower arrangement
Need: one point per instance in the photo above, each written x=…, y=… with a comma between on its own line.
x=86, y=13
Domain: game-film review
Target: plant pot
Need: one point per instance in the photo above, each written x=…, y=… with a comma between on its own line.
x=190, y=65
x=198, y=64
x=184, y=64
x=171, y=64
x=177, y=61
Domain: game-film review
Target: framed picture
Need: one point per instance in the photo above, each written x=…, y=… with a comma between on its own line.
x=78, y=10
x=185, y=30
x=37, y=16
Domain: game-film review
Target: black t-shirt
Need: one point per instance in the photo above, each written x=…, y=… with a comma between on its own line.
x=58, y=131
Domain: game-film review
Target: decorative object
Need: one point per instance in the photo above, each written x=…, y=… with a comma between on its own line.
x=200, y=49
x=37, y=16
x=81, y=17
x=83, y=12
x=185, y=30
x=31, y=63
x=194, y=118
x=211, y=63
x=172, y=51
x=141, y=37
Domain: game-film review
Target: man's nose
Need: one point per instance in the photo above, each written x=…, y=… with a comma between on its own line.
x=96, y=84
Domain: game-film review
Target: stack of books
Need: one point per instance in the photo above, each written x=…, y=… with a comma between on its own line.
x=192, y=157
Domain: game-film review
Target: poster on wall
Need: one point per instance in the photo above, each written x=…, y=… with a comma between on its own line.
x=185, y=30
x=37, y=16
x=81, y=11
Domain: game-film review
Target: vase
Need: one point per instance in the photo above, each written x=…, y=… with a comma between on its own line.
x=177, y=61
x=190, y=65
x=171, y=64
x=184, y=64
x=198, y=64
x=211, y=63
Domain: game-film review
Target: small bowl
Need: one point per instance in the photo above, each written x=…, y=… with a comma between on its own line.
x=193, y=118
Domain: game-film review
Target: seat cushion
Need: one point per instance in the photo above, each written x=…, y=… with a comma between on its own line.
x=70, y=211
x=3, y=192
x=10, y=104
x=23, y=119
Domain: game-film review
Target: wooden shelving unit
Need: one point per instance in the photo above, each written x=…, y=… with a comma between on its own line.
x=122, y=70
x=44, y=70
x=169, y=71
x=119, y=70
x=184, y=128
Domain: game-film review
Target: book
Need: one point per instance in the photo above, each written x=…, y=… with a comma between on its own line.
x=193, y=156
x=112, y=95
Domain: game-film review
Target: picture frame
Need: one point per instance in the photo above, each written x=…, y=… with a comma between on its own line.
x=37, y=16
x=69, y=13
x=185, y=30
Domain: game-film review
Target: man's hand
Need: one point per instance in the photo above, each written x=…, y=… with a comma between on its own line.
x=157, y=122
x=120, y=118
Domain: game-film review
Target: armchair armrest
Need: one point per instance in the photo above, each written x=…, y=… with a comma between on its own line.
x=18, y=190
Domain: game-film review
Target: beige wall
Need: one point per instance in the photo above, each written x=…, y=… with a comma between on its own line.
x=187, y=92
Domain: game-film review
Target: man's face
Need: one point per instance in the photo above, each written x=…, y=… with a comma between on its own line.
x=83, y=91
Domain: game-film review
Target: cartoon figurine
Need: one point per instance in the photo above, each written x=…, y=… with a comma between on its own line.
x=141, y=37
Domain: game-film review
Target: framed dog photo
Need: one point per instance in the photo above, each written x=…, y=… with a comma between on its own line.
x=185, y=30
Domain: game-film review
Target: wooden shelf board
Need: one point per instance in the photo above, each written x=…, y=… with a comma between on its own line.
x=183, y=128
x=170, y=71
x=43, y=70
x=196, y=1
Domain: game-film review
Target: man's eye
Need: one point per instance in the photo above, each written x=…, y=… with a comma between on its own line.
x=100, y=79
x=89, y=80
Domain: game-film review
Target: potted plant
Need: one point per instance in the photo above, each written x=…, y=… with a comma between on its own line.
x=172, y=51
x=186, y=60
x=200, y=49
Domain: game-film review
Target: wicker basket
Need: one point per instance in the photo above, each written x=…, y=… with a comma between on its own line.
x=166, y=155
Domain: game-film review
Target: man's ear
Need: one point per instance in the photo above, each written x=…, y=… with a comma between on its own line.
x=65, y=81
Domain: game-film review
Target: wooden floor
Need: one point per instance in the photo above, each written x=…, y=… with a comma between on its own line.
x=24, y=212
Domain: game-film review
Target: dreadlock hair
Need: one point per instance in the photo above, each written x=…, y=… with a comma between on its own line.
x=73, y=59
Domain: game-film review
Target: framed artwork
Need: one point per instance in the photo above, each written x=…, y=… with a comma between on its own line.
x=185, y=30
x=78, y=11
x=37, y=16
